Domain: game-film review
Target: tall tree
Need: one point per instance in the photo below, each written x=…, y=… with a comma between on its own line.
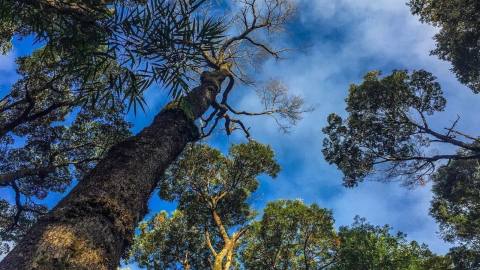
x=364, y=246
x=94, y=224
x=464, y=258
x=458, y=38
x=387, y=129
x=213, y=214
x=291, y=235
x=170, y=242
x=456, y=203
x=212, y=192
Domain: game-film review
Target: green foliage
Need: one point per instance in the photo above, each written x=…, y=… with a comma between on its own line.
x=464, y=258
x=50, y=158
x=202, y=179
x=7, y=29
x=290, y=235
x=170, y=242
x=381, y=129
x=459, y=35
x=211, y=191
x=364, y=246
x=52, y=131
x=49, y=89
x=76, y=35
x=152, y=40
x=64, y=24
x=456, y=201
x=165, y=41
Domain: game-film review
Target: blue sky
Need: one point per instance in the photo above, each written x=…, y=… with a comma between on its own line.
x=345, y=39
x=338, y=42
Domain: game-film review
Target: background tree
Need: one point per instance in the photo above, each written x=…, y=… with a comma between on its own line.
x=458, y=38
x=456, y=205
x=387, y=129
x=39, y=154
x=395, y=138
x=291, y=235
x=170, y=242
x=60, y=23
x=212, y=192
x=48, y=91
x=364, y=246
x=464, y=258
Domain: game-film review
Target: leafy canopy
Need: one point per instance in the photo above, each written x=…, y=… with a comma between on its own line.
x=290, y=235
x=464, y=258
x=458, y=38
x=364, y=246
x=51, y=133
x=77, y=36
x=456, y=202
x=203, y=179
x=387, y=129
x=170, y=242
x=213, y=214
x=456, y=207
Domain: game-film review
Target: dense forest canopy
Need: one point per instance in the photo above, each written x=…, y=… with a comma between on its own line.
x=239, y=75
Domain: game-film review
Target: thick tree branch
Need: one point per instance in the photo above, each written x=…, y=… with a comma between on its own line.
x=264, y=47
x=25, y=117
x=8, y=177
x=448, y=139
x=428, y=159
x=220, y=227
x=209, y=243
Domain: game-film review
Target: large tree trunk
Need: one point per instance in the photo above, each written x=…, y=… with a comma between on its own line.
x=94, y=224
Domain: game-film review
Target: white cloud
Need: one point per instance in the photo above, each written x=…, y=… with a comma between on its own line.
x=406, y=210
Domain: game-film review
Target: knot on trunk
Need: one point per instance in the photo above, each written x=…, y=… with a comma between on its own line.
x=213, y=78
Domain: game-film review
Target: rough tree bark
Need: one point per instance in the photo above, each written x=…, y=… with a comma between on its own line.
x=93, y=225
x=229, y=243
